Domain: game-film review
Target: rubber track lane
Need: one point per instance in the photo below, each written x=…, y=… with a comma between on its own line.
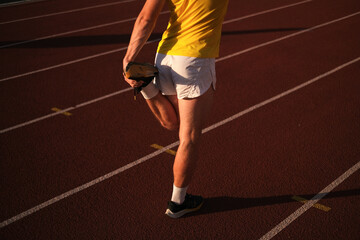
x=66, y=12
x=270, y=150
x=60, y=91
x=42, y=58
x=14, y=13
x=243, y=189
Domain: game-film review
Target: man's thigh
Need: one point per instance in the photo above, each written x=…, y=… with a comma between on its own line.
x=193, y=115
x=174, y=101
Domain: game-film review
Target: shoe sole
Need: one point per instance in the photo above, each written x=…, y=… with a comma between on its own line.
x=183, y=212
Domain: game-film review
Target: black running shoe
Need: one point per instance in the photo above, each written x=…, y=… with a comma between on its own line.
x=192, y=203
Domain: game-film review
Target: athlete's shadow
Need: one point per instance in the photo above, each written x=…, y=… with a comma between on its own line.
x=224, y=203
x=93, y=40
x=75, y=41
x=263, y=30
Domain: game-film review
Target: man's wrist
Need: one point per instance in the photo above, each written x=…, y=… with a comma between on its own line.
x=126, y=61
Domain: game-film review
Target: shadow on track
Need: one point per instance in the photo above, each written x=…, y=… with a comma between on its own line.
x=223, y=204
x=267, y=30
x=77, y=41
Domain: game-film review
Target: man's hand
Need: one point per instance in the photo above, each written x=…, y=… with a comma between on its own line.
x=142, y=73
x=131, y=82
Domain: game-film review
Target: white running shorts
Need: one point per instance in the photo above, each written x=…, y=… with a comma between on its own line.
x=186, y=77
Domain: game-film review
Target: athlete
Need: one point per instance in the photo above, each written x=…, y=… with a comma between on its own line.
x=181, y=96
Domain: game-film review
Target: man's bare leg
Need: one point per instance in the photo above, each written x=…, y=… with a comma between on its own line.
x=193, y=113
x=165, y=109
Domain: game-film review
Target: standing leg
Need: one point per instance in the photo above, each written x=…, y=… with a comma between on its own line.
x=193, y=113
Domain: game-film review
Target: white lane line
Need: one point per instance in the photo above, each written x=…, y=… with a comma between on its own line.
x=71, y=32
x=133, y=19
x=172, y=145
x=286, y=222
x=289, y=36
x=65, y=110
x=266, y=11
x=66, y=33
x=124, y=48
x=85, y=186
x=217, y=60
x=281, y=95
x=19, y=2
x=71, y=62
x=68, y=11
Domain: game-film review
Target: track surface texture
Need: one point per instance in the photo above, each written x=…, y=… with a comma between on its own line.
x=280, y=156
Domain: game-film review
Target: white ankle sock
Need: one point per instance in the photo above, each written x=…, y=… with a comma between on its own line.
x=149, y=91
x=178, y=194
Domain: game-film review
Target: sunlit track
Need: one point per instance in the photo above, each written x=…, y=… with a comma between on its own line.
x=121, y=49
x=174, y=144
x=217, y=60
x=73, y=61
x=133, y=19
x=20, y=2
x=286, y=222
x=66, y=110
x=68, y=11
x=82, y=160
x=266, y=11
x=289, y=36
x=72, y=32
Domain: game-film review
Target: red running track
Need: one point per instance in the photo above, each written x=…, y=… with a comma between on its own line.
x=285, y=124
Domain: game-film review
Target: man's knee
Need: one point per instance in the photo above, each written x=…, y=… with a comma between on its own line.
x=190, y=139
x=170, y=125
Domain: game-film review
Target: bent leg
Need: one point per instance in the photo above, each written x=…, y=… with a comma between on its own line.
x=193, y=113
x=165, y=109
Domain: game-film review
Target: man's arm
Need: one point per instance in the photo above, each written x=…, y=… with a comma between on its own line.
x=143, y=27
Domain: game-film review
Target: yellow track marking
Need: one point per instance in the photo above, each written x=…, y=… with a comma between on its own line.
x=156, y=146
x=55, y=109
x=317, y=205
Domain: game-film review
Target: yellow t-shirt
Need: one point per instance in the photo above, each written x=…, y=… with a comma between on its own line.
x=194, y=28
